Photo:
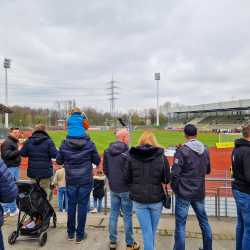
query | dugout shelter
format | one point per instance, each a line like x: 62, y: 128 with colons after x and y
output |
x: 4, y: 110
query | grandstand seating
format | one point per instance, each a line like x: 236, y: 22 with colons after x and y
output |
x: 208, y: 120
x: 197, y: 120
x: 179, y: 123
x: 214, y: 122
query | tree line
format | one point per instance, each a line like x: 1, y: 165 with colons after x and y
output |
x: 27, y: 116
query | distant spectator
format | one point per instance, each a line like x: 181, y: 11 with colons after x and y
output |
x: 8, y: 193
x: 98, y: 192
x: 11, y: 156
x: 40, y: 149
x: 59, y: 180
x: 77, y: 154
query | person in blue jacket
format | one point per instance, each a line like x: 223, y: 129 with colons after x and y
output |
x: 77, y: 154
x: 40, y: 149
x: 8, y: 193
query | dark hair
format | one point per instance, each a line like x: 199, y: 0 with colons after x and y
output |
x: 246, y: 131
x: 13, y: 128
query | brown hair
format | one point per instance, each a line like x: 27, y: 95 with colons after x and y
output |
x: 246, y: 131
x: 99, y: 172
x: 13, y: 128
x: 40, y: 127
x: 148, y: 138
x: 75, y: 110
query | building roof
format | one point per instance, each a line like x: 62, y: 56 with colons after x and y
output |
x: 4, y: 110
x: 211, y: 107
x: 61, y: 121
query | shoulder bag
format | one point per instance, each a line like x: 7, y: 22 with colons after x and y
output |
x: 167, y: 197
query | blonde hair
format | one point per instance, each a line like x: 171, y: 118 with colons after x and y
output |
x: 148, y: 138
x: 75, y: 110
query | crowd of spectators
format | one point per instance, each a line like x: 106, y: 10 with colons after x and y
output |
x: 137, y: 178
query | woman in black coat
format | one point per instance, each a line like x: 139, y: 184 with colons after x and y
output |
x: 98, y: 192
x: 146, y: 169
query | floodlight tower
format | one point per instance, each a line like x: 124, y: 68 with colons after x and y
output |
x: 6, y: 65
x: 157, y: 77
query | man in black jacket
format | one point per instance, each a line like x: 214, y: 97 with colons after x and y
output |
x: 11, y: 156
x: 113, y: 166
x: 40, y: 149
x: 241, y: 187
x: 191, y: 164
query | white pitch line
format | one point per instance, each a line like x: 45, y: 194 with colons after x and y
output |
x: 55, y: 137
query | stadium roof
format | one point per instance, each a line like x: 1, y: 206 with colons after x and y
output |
x: 4, y: 109
x: 212, y: 107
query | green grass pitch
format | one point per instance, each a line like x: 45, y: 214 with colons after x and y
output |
x: 102, y: 139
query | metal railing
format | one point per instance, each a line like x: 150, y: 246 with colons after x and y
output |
x: 217, y: 203
x: 219, y: 200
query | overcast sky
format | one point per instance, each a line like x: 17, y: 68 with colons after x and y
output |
x: 70, y: 49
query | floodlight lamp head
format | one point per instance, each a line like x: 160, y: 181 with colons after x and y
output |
x: 7, y: 63
x: 157, y: 76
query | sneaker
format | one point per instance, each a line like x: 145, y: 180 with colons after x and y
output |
x: 5, y: 213
x: 81, y: 239
x: 94, y: 210
x: 136, y: 246
x: 201, y: 248
x: 112, y: 246
x: 71, y: 237
x: 15, y: 213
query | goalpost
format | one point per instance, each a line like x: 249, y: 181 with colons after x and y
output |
x: 229, y: 137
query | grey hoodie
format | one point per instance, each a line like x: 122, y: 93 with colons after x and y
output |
x: 196, y: 146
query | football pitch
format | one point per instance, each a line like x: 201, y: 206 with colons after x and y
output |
x: 102, y: 139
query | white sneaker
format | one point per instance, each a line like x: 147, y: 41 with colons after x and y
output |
x: 15, y: 213
x: 5, y: 213
x: 94, y: 210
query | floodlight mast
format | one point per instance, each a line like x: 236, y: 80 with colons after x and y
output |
x: 157, y: 77
x: 6, y: 65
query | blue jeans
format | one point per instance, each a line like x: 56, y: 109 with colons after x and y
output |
x: 78, y: 195
x: 99, y: 204
x: 14, y: 171
x: 243, y: 220
x: 148, y: 216
x: 1, y: 240
x: 61, y: 192
x: 127, y: 205
x: 181, y: 213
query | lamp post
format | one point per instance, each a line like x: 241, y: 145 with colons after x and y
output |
x: 6, y: 65
x: 157, y: 77
x: 21, y: 123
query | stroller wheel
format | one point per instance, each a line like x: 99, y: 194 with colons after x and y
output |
x: 12, y: 237
x: 43, y: 238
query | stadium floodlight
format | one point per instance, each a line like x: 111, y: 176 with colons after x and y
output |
x: 157, y: 78
x: 6, y: 65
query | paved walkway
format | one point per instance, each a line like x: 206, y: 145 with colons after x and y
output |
x: 97, y: 228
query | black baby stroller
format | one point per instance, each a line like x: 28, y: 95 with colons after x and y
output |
x: 32, y: 200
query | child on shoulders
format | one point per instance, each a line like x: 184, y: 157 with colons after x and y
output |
x: 77, y: 123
